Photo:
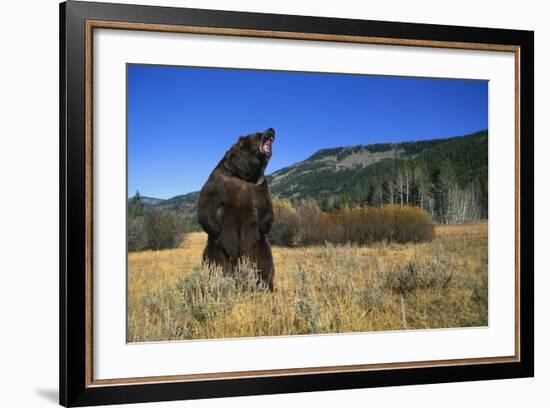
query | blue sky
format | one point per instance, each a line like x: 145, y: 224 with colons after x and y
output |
x: 182, y: 120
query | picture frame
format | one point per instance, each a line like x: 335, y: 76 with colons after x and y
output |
x: 78, y: 23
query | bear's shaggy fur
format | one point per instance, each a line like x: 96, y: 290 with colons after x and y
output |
x: 235, y: 207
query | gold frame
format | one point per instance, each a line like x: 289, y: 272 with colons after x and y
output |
x: 99, y: 24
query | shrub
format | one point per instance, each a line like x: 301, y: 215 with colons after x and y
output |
x: 414, y: 275
x: 246, y: 278
x: 285, y: 224
x: 309, y: 216
x: 409, y: 224
x: 306, y: 316
x: 137, y: 238
x: 164, y: 229
x: 207, y: 292
x: 372, y: 297
x: 364, y: 225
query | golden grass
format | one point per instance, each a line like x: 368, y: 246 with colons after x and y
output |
x: 320, y: 289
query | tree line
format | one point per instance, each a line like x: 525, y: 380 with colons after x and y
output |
x: 153, y: 228
x: 307, y: 224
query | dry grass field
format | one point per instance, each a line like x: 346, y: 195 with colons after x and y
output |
x: 319, y: 289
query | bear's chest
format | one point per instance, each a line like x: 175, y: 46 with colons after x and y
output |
x: 242, y: 195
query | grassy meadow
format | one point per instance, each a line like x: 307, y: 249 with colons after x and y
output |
x: 319, y: 289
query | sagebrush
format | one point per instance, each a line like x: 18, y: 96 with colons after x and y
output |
x: 319, y: 289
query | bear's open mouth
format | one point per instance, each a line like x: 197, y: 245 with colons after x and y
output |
x: 267, y: 141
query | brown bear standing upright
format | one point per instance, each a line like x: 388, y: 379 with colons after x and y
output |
x: 235, y: 207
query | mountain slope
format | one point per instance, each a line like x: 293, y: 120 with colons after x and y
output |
x: 356, y: 170
x: 185, y: 204
x: 149, y: 202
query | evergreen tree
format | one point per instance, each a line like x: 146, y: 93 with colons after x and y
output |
x: 135, y: 206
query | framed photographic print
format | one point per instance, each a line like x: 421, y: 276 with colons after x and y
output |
x: 256, y: 203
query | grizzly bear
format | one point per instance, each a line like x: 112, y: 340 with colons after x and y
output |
x: 235, y: 207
